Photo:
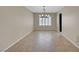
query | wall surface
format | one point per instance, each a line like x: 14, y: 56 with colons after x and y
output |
x: 52, y: 27
x: 71, y: 23
x: 15, y: 22
x: 58, y: 22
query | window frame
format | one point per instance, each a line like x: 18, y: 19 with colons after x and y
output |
x: 43, y: 21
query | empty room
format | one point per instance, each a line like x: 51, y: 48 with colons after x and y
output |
x: 39, y: 28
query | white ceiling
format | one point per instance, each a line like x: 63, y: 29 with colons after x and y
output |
x: 49, y: 9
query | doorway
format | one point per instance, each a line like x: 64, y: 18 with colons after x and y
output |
x: 45, y: 23
x: 60, y: 22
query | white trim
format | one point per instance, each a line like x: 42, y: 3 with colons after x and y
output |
x: 16, y: 41
x: 70, y: 40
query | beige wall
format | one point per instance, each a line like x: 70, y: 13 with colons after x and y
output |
x: 58, y: 21
x: 15, y: 22
x: 54, y: 22
x: 71, y: 23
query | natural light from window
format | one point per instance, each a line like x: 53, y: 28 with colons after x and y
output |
x: 45, y: 21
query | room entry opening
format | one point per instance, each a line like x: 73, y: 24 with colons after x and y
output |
x: 46, y: 21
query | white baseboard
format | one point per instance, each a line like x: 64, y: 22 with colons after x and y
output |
x: 70, y: 40
x: 16, y: 41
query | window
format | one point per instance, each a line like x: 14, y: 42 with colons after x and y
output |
x: 44, y: 20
